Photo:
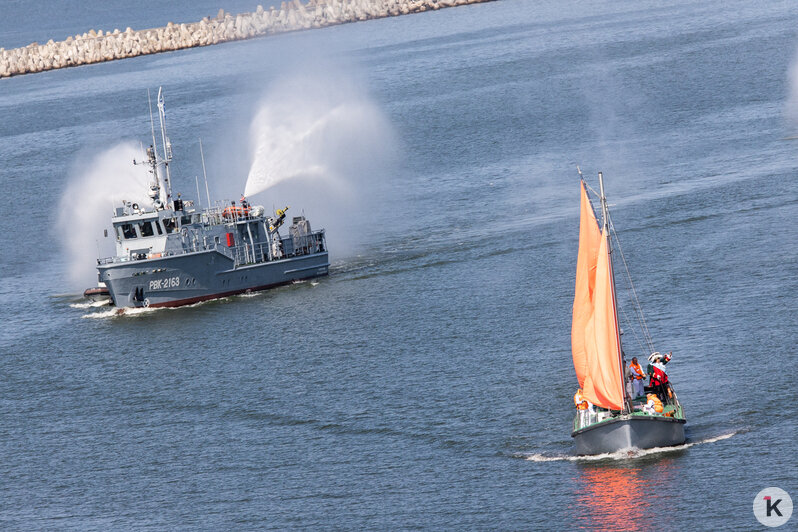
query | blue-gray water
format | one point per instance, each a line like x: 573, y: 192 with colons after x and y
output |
x: 427, y: 382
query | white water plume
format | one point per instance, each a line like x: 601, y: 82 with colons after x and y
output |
x: 96, y: 185
x: 321, y: 144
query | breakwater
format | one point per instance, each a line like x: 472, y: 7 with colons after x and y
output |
x: 96, y: 46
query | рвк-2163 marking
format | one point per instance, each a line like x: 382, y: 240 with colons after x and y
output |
x: 160, y: 284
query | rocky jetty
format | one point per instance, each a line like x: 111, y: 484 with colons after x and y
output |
x: 96, y: 46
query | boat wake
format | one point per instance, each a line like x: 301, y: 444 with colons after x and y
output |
x: 114, y: 312
x: 244, y: 295
x: 626, y: 454
x: 91, y: 304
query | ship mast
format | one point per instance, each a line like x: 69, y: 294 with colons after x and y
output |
x: 606, y: 230
x: 167, y: 150
x: 156, y: 188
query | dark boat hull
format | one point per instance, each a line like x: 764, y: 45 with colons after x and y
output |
x: 629, y: 432
x: 192, y: 277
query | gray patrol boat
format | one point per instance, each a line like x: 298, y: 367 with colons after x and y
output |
x: 171, y: 253
x: 615, y: 411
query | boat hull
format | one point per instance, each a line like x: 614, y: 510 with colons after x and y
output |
x: 97, y: 294
x: 192, y: 277
x: 629, y: 432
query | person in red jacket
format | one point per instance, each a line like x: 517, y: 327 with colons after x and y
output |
x: 659, y: 378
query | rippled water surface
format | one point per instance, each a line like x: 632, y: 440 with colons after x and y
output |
x: 427, y: 382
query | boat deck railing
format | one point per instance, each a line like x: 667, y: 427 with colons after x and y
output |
x: 672, y: 408
x: 242, y: 254
x: 289, y: 247
x: 585, y: 418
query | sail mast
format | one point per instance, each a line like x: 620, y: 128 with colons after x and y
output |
x: 606, y: 230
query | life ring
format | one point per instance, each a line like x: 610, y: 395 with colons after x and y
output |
x: 147, y: 302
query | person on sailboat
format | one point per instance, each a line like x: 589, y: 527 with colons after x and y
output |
x: 637, y: 378
x: 583, y: 407
x: 629, y: 378
x: 659, y: 378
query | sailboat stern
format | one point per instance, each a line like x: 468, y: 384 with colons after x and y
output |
x: 629, y: 432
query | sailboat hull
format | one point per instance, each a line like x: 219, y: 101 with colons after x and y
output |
x: 629, y: 432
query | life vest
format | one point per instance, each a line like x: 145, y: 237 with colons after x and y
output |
x: 637, y: 371
x: 658, y: 377
x: 579, y: 401
x: 654, y: 401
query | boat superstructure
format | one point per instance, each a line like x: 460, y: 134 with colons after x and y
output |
x: 609, y: 417
x: 174, y: 252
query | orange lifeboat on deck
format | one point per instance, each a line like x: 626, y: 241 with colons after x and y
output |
x: 234, y: 212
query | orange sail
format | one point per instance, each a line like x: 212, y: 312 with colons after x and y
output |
x: 589, y: 240
x: 595, y: 344
x: 603, y: 384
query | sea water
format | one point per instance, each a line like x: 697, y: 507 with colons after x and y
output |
x: 427, y: 382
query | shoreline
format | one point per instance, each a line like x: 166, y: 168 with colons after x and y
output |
x: 98, y: 47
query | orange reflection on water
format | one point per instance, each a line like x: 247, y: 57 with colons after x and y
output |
x: 623, y: 497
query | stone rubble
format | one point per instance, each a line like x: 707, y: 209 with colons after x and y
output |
x: 98, y: 46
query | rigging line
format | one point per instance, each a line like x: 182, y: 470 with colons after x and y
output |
x: 591, y: 189
x: 639, y: 312
x: 630, y: 324
x: 636, y: 302
x: 590, y: 202
x: 638, y: 308
x: 633, y: 329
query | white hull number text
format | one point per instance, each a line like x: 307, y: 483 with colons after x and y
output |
x: 161, y: 284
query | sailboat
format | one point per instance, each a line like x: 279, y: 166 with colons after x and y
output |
x: 610, y: 419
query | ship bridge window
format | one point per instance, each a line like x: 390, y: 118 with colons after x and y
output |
x: 145, y: 228
x: 128, y: 231
x: 170, y: 224
x: 157, y: 225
